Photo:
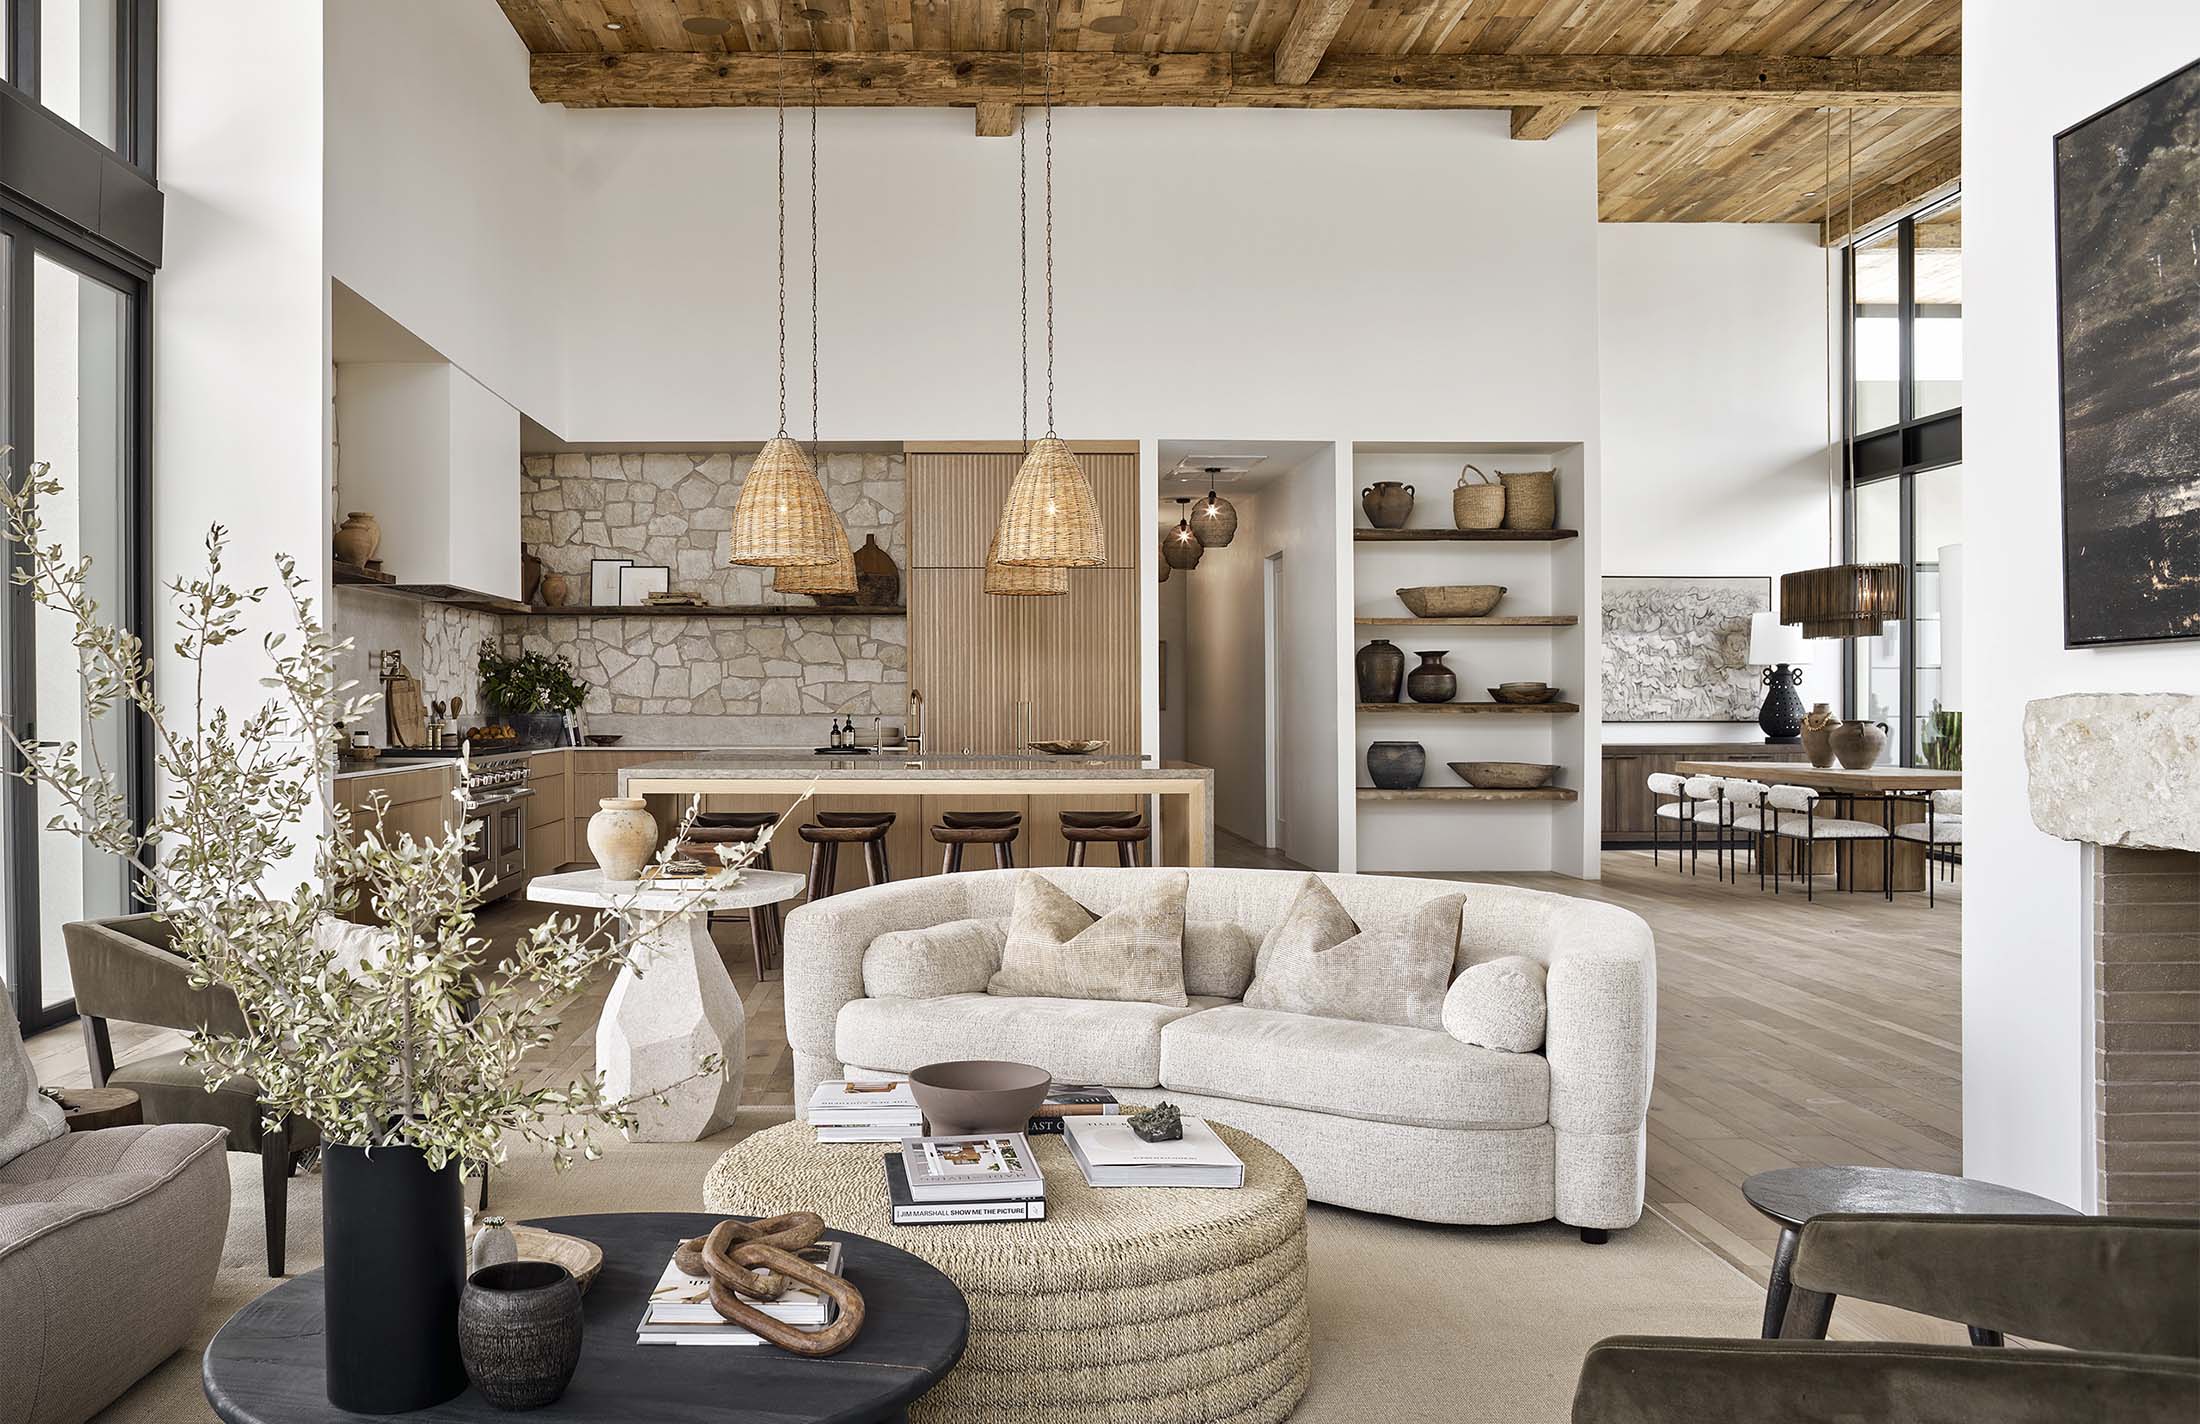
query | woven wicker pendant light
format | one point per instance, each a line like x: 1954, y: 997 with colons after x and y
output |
x: 1215, y: 521
x: 1051, y: 519
x: 1180, y: 547
x: 1021, y: 581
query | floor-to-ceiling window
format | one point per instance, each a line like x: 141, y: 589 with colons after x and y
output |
x: 1905, y: 412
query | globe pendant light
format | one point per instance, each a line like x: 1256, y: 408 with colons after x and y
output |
x: 1051, y: 519
x: 781, y: 518
x: 1180, y: 547
x: 1840, y: 600
x: 1216, y: 519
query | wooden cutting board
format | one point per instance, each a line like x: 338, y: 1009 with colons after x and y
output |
x: 407, y: 714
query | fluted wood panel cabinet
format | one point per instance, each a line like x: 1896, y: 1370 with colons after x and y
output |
x: 997, y: 672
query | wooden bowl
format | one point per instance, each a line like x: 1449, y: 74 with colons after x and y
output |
x: 1451, y: 600
x: 605, y: 739
x: 1525, y: 694
x: 978, y: 1095
x: 583, y: 1258
x: 1084, y: 747
x: 1504, y: 775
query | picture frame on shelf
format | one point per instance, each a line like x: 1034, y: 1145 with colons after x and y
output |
x: 638, y: 581
x: 603, y: 581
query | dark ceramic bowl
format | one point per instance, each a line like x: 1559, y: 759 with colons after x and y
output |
x: 605, y: 739
x: 978, y: 1095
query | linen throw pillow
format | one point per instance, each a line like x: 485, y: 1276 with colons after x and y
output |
x: 958, y: 957
x: 1319, y: 962
x: 27, y: 1117
x: 1058, y: 949
x: 1498, y: 1004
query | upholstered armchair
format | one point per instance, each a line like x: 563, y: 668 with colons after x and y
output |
x: 2122, y: 1296
x: 124, y: 969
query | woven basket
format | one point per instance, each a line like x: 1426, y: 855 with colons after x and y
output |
x: 1477, y: 506
x: 781, y: 517
x: 1021, y: 582
x: 1051, y: 519
x: 837, y: 577
x: 1531, y: 498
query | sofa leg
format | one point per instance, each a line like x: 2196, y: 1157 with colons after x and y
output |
x: 274, y: 1194
x: 1594, y: 1235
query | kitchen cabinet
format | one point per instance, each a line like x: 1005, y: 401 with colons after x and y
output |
x: 434, y: 455
x: 1627, y: 771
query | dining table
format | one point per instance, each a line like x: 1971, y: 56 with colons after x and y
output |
x: 1889, y: 795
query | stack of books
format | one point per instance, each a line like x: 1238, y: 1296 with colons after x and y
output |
x: 865, y: 1112
x: 1111, y: 1155
x: 1071, y: 1100
x: 988, y: 1177
x: 680, y: 1313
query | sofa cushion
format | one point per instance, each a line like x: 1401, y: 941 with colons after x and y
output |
x: 1077, y: 1040
x: 1058, y: 949
x: 171, y: 1088
x: 86, y: 1173
x: 959, y: 957
x: 1320, y: 961
x: 1498, y: 1004
x: 27, y: 1117
x: 1218, y: 957
x: 1376, y: 1072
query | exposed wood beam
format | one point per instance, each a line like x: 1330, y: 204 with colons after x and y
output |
x: 1543, y: 120
x: 1874, y: 204
x: 1306, y: 39
x: 996, y: 120
x: 1101, y: 78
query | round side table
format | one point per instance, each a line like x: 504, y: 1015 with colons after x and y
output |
x: 89, y: 1109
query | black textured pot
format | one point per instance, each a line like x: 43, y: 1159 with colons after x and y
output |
x: 519, y: 1327
x: 1432, y: 681
x: 1782, y: 715
x: 393, y: 1235
x: 1380, y: 668
x: 1396, y: 766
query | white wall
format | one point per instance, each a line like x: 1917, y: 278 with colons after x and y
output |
x: 1303, y: 514
x: 1711, y: 337
x: 2027, y: 993
x: 1224, y: 685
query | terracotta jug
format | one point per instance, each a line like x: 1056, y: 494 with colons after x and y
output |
x: 358, y: 538
x: 1388, y: 504
x: 622, y: 835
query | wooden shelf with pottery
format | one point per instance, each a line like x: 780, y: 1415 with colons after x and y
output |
x: 1485, y: 536
x: 341, y: 572
x: 1497, y: 709
x: 1470, y: 793
x: 715, y: 610
x: 1525, y: 620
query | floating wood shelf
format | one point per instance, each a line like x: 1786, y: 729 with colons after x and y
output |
x: 1494, y: 709
x: 456, y: 597
x: 341, y: 572
x: 1471, y: 793
x: 1484, y: 536
x: 717, y: 610
x: 1525, y: 620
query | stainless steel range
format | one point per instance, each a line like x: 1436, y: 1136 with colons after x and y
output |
x: 494, y: 790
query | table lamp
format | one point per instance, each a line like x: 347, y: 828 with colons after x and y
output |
x: 1779, y: 650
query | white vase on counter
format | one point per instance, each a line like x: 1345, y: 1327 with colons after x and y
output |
x: 623, y: 836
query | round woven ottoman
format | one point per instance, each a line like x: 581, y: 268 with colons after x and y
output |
x: 1127, y: 1305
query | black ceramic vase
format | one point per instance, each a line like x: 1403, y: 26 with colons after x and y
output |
x: 393, y: 1235
x: 1379, y: 668
x: 1432, y: 681
x: 1782, y: 715
x: 519, y: 1327
x: 1396, y: 766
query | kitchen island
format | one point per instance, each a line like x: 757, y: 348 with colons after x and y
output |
x: 918, y: 787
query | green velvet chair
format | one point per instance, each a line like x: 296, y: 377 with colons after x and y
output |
x: 2120, y: 1295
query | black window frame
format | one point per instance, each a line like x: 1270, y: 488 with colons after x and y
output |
x: 136, y: 116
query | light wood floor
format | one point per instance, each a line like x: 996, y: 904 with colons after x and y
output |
x: 1788, y: 1033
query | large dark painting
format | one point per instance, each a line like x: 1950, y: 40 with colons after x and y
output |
x: 2127, y: 237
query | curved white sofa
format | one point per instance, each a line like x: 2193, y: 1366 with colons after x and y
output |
x: 1403, y: 1121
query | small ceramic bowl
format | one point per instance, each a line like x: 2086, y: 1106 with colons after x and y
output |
x: 978, y: 1095
x: 1081, y: 747
x: 1522, y: 694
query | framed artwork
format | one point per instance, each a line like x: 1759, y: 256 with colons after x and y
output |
x: 638, y: 581
x: 1677, y: 649
x: 603, y: 581
x: 2127, y: 204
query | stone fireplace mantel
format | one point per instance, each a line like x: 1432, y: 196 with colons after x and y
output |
x: 2116, y: 769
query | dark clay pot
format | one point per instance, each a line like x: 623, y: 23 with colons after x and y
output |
x: 1857, y: 745
x: 1432, y: 681
x: 1380, y: 667
x: 1387, y: 503
x: 1396, y: 766
x: 519, y: 1327
x: 393, y: 1239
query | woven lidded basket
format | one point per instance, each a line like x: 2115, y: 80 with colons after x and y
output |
x: 1531, y: 498
x: 1480, y: 505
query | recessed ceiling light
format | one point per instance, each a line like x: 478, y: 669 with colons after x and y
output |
x: 710, y: 26
x: 1113, y: 25
x: 614, y: 25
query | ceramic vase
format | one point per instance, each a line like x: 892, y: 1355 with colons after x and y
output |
x: 1387, y: 504
x: 1379, y: 668
x: 519, y: 1331
x: 1781, y: 716
x: 1396, y: 766
x: 555, y: 590
x: 622, y: 835
x: 493, y: 1244
x: 878, y: 580
x: 393, y: 1239
x: 357, y: 538
x: 1857, y: 745
x: 1432, y: 681
x: 1817, y: 735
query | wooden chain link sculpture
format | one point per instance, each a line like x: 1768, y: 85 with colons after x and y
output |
x: 732, y: 1254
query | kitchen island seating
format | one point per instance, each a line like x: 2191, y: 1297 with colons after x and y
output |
x: 997, y: 829
x: 834, y: 829
x: 1409, y: 1122
x: 711, y: 828
x: 1126, y: 830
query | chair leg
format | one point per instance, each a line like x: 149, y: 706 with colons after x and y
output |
x: 481, y: 1200
x: 1076, y: 853
x: 1810, y: 868
x: 952, y: 860
x: 874, y: 862
x: 1126, y: 853
x: 1004, y: 855
x: 99, y: 1049
x: 821, y: 870
x: 274, y: 1194
x: 764, y: 926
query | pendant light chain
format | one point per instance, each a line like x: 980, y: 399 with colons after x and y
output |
x: 779, y: 111
x: 1048, y: 40
x: 1825, y: 349
x: 816, y: 447
x: 1023, y: 234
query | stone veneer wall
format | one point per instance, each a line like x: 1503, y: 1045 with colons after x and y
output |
x: 440, y: 645
x: 676, y: 510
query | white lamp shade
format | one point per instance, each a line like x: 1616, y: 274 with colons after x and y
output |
x: 1772, y: 642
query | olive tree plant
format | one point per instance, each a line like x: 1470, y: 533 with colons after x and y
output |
x: 418, y: 1041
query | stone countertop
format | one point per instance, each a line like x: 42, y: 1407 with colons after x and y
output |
x: 399, y: 761
x: 782, y: 766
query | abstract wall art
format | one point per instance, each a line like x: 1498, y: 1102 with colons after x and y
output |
x: 1677, y: 649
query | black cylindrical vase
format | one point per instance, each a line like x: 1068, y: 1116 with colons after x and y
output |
x: 393, y: 1235
x: 1782, y: 715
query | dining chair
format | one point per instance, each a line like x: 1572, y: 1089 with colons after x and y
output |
x: 1941, y: 834
x: 1792, y: 812
x: 1678, y: 810
x: 1745, y: 815
x: 1708, y: 794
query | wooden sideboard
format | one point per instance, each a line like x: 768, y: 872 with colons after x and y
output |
x: 1627, y: 771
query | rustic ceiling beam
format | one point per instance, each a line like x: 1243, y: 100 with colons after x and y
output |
x: 664, y: 79
x: 1306, y: 39
x: 1875, y: 203
x: 996, y: 120
x: 1541, y: 121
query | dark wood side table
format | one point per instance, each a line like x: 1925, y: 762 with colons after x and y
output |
x: 266, y: 1365
x: 88, y: 1109
x: 1793, y: 1195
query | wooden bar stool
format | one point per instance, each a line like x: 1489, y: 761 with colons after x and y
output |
x: 714, y: 828
x: 834, y: 829
x: 1126, y: 830
x: 997, y: 829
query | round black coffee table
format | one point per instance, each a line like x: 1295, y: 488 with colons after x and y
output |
x: 1793, y: 1195
x: 265, y: 1365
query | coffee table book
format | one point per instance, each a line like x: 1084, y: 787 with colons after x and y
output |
x: 986, y: 1166
x: 908, y: 1212
x: 865, y: 1112
x: 1070, y: 1100
x: 1111, y: 1155
x: 680, y: 1313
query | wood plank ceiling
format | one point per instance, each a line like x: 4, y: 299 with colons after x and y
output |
x: 1727, y: 157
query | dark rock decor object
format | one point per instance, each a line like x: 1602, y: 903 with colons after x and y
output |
x: 519, y: 1329
x: 1380, y: 669
x: 1432, y: 681
x: 393, y: 1238
x: 1396, y: 766
x: 1387, y: 504
x: 1159, y: 1123
x: 978, y: 1095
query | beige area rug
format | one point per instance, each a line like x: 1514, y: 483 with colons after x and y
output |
x: 1412, y: 1323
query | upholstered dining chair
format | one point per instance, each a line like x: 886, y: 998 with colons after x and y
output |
x: 124, y: 968
x: 1792, y: 812
x: 1707, y: 810
x: 1941, y: 833
x: 1669, y: 802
